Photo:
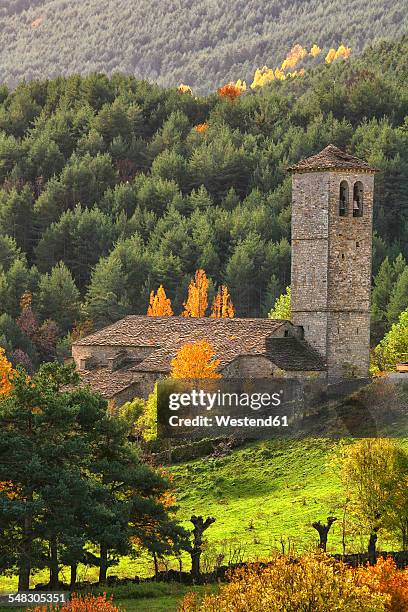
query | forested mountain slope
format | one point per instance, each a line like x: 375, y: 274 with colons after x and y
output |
x: 111, y: 187
x: 201, y: 43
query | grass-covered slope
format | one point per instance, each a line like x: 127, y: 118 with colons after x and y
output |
x: 261, y: 493
x: 204, y: 44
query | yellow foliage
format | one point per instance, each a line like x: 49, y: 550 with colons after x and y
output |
x: 184, y: 89
x: 279, y: 75
x: 331, y: 56
x: 197, y: 300
x: 26, y: 300
x: 262, y: 76
x: 241, y: 85
x: 312, y: 582
x: 160, y: 304
x: 6, y: 374
x: 10, y: 489
x: 222, y: 307
x: 315, y: 50
x: 201, y: 127
x: 342, y: 52
x: 294, y: 56
x: 195, y: 360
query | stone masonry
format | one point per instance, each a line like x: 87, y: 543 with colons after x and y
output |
x: 331, y: 258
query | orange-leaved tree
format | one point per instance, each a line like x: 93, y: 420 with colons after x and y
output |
x: 384, y: 577
x: 232, y: 91
x: 6, y: 374
x: 195, y: 360
x: 197, y: 300
x: 222, y: 307
x: 160, y: 304
x: 201, y: 127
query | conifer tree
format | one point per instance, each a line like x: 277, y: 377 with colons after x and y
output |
x: 59, y: 297
x: 399, y: 298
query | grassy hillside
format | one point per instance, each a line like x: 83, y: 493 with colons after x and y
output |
x: 262, y: 495
x: 204, y: 44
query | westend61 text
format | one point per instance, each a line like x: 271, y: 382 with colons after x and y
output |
x: 228, y: 421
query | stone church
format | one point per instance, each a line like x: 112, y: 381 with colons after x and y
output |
x: 329, y: 335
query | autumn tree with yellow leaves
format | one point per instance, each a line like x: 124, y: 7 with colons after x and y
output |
x: 195, y: 360
x: 342, y: 52
x: 288, y: 68
x: 184, y: 89
x: 6, y: 374
x: 197, y: 300
x: 160, y: 304
x: 222, y: 307
x: 315, y: 50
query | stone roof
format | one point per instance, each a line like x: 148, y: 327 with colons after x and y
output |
x: 107, y: 383
x: 293, y: 354
x: 230, y: 339
x: 331, y: 158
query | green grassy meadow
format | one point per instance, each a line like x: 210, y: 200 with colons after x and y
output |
x: 263, y: 495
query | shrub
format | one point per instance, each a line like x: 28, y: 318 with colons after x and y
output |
x: 313, y: 582
x: 385, y: 578
x: 86, y: 603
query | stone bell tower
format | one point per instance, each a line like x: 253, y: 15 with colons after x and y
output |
x: 332, y: 213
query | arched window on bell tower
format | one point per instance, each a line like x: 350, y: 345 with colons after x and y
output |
x: 358, y: 191
x: 343, y: 198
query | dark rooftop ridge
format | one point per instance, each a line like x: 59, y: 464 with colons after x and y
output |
x: 331, y: 158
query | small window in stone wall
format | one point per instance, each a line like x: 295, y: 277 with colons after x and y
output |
x: 344, y: 199
x: 358, y: 191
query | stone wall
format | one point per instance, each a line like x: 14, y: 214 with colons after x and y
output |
x: 249, y: 366
x: 101, y: 354
x: 331, y: 269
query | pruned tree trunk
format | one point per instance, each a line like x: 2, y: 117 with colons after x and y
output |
x: 323, y: 531
x: 73, y: 577
x: 54, y: 569
x: 103, y: 568
x: 200, y: 525
x: 372, y: 547
x: 156, y: 566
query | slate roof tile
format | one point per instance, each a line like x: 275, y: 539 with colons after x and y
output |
x: 331, y: 158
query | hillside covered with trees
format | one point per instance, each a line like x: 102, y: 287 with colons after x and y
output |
x: 203, y: 44
x: 111, y: 187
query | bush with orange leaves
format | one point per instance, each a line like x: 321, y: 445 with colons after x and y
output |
x: 6, y: 374
x: 386, y: 578
x: 201, y: 127
x: 232, y: 91
x: 85, y: 603
x: 312, y: 582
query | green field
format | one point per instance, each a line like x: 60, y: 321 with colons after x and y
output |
x: 148, y: 597
x: 263, y: 495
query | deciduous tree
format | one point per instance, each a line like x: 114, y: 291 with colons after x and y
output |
x: 222, y: 307
x: 197, y: 300
x: 195, y: 360
x: 160, y: 304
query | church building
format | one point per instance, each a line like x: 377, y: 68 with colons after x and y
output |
x: 329, y: 335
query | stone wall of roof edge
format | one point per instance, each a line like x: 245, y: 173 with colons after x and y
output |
x: 304, y: 170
